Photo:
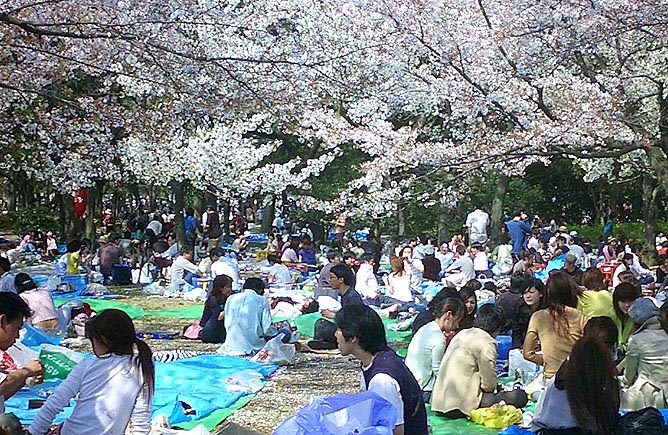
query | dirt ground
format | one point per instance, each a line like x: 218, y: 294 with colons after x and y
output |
x: 289, y: 389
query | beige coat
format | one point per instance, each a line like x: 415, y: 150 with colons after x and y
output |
x: 468, y: 368
x: 647, y: 368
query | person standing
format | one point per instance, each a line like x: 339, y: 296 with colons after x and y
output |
x: 519, y: 231
x: 212, y: 228
x: 477, y: 222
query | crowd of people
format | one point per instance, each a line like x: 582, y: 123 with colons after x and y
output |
x: 563, y: 302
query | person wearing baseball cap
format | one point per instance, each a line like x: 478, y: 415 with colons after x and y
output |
x: 571, y: 269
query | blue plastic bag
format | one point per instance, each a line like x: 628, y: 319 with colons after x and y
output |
x: 365, y: 413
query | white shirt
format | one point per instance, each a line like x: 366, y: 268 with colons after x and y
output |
x: 480, y: 262
x: 171, y: 252
x: 280, y: 272
x: 400, y: 286
x: 425, y: 353
x: 615, y: 276
x: 110, y: 394
x: 533, y: 243
x: 477, y: 222
x: 289, y: 256
x: 156, y: 226
x: 387, y: 388
x: 180, y: 266
x: 224, y: 267
x: 247, y: 321
x: 366, y: 283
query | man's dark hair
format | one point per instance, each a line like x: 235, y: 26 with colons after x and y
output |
x: 519, y: 282
x: 13, y: 306
x: 343, y: 272
x: 186, y: 249
x: 217, y: 252
x: 461, y: 249
x: 360, y: 321
x: 190, y: 211
x: 454, y: 305
x: 446, y: 293
x: 332, y: 255
x: 366, y: 257
x: 74, y: 246
x: 255, y: 284
x: 490, y: 319
x: 347, y: 255
x: 272, y: 258
x: 5, y: 265
x: 603, y: 328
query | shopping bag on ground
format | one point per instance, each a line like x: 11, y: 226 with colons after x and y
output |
x: 365, y: 413
x: 58, y: 361
x: 276, y: 352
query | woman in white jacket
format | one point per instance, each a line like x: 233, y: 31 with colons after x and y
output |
x: 114, y: 389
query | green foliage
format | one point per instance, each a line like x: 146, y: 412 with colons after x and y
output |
x: 38, y: 219
x: 632, y: 230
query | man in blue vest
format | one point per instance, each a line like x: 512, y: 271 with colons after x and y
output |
x: 361, y: 333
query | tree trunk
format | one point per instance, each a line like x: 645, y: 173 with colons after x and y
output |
x: 178, y: 190
x: 650, y: 193
x: 442, y: 222
x: 496, y: 218
x: 226, y: 219
x: 268, y: 213
x: 377, y: 229
x: 401, y: 220
x: 71, y: 225
x: 151, y: 198
x: 91, y: 210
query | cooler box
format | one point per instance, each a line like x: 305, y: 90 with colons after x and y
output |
x: 121, y: 274
x: 78, y: 282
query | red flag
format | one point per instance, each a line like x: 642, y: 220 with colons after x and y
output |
x: 80, y: 202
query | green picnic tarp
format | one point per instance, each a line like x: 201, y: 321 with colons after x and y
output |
x: 306, y: 322
x: 102, y: 304
x: 441, y: 425
x: 189, y: 312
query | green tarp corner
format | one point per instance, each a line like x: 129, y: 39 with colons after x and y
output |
x: 102, y: 304
x: 446, y: 426
x: 189, y: 312
x: 306, y: 322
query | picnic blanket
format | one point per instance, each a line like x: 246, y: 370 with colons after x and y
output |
x: 441, y: 425
x: 189, y: 312
x: 213, y: 385
x: 306, y: 322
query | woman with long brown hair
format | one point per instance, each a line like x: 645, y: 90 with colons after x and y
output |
x: 558, y: 326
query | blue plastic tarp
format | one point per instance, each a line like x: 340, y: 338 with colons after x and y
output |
x: 200, y: 382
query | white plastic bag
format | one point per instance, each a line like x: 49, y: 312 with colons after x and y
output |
x: 276, y: 352
x: 195, y: 294
x: 516, y: 361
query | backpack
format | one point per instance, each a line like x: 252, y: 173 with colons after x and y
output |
x: 646, y: 421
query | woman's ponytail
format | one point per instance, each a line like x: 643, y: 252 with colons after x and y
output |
x: 146, y: 365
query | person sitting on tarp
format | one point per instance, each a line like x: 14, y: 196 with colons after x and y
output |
x: 360, y: 332
x: 44, y: 315
x: 68, y: 263
x: 109, y: 254
x: 183, y: 268
x: 213, y: 317
x: 467, y: 374
x: 247, y: 320
x: 13, y: 310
